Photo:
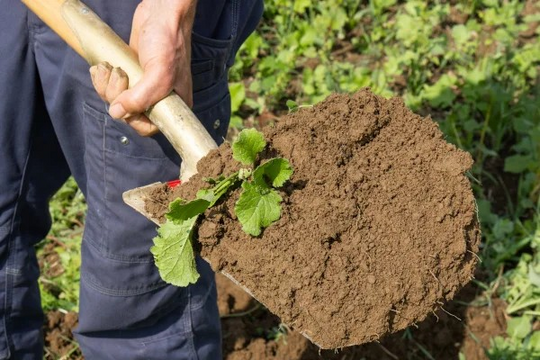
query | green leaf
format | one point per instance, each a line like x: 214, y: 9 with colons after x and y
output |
x: 236, y: 122
x: 207, y: 195
x: 519, y: 327
x: 238, y: 95
x: 534, y: 341
x: 173, y: 252
x: 534, y: 277
x: 257, y: 207
x: 440, y: 94
x: 274, y: 172
x: 292, y: 105
x: 502, y: 228
x: 214, y: 194
x: 461, y: 34
x: 301, y: 5
x: 517, y: 163
x: 484, y: 212
x: 381, y: 5
x: 179, y: 210
x: 213, y: 181
x: 249, y: 143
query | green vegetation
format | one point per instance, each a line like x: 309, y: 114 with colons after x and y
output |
x: 256, y: 208
x: 258, y: 205
x: 59, y: 257
x: 173, y: 250
x: 60, y: 252
x: 471, y: 65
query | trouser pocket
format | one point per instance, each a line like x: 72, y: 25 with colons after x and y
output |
x: 118, y: 269
x: 120, y: 285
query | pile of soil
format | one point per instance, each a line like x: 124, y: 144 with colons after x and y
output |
x: 378, y: 222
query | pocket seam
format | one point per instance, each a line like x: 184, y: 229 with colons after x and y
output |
x: 109, y: 151
x: 120, y: 258
x: 91, y: 111
x: 203, y: 40
x: 129, y: 291
x: 201, y: 66
x: 112, y: 129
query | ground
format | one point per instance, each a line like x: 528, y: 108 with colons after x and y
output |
x: 250, y: 332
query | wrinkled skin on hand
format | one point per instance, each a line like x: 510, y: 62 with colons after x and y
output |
x: 161, y: 36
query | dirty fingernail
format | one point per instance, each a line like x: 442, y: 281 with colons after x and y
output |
x: 117, y: 111
x: 114, y: 76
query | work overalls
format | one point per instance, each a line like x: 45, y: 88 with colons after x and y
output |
x: 53, y: 125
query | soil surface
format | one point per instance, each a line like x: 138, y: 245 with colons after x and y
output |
x: 59, y: 341
x: 378, y: 222
x: 250, y: 332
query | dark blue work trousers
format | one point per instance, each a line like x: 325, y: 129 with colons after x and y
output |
x: 53, y: 125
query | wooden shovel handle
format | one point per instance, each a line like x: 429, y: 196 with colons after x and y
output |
x: 95, y: 41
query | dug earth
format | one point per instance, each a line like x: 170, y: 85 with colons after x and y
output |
x: 378, y: 224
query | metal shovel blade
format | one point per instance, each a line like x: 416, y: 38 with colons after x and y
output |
x: 137, y: 198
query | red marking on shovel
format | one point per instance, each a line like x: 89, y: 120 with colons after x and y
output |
x: 173, y: 183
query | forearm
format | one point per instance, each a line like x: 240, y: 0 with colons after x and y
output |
x: 166, y: 25
x: 178, y: 14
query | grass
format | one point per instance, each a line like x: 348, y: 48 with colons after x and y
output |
x: 472, y: 65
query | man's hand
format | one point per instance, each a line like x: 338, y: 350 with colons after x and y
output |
x: 161, y: 35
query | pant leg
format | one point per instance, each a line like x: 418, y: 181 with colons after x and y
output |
x: 32, y: 168
x: 126, y: 311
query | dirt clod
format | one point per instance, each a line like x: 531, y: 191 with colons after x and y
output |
x: 378, y: 222
x: 58, y: 335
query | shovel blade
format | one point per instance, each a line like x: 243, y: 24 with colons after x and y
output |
x: 136, y: 198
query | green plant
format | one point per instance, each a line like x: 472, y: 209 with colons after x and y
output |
x: 257, y: 207
x: 61, y: 251
x: 521, y: 342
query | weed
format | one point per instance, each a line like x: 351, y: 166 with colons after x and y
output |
x: 258, y: 206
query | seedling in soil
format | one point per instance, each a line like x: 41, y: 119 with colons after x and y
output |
x: 257, y: 207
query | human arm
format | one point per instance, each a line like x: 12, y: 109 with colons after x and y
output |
x: 161, y: 35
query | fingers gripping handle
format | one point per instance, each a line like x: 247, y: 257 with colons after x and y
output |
x: 95, y: 41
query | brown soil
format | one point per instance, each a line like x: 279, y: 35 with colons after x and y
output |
x: 378, y: 224
x: 59, y: 337
x: 49, y: 263
x: 531, y: 8
x: 250, y: 332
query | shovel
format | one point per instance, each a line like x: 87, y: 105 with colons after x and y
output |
x: 96, y: 42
